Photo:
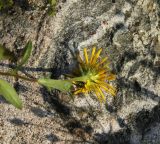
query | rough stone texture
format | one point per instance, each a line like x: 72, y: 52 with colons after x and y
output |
x: 129, y: 33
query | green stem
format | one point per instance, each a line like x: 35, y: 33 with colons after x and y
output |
x: 82, y: 78
x: 18, y: 76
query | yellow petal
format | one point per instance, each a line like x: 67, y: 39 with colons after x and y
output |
x: 107, y: 65
x: 96, y: 56
x: 77, y: 92
x: 101, y: 78
x: 88, y: 84
x: 79, y: 59
x: 86, y: 55
x: 102, y: 61
x: 98, y: 95
x: 101, y: 72
x: 92, y: 55
x: 81, y: 90
x: 106, y: 85
x: 101, y: 93
x: 111, y: 77
x: 109, y: 89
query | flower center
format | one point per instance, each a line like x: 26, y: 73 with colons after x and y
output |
x: 92, y: 76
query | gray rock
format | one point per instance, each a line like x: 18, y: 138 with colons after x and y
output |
x: 127, y: 30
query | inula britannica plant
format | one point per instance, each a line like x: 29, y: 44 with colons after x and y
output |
x: 91, y: 76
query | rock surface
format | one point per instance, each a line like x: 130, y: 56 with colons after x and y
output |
x: 129, y: 33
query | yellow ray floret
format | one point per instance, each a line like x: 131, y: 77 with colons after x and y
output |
x: 95, y: 77
x: 92, y: 55
x: 96, y: 57
x: 86, y: 55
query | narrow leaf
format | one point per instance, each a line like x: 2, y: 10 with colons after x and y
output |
x: 5, y: 54
x: 52, y: 9
x: 9, y: 93
x: 26, y: 54
x: 62, y: 85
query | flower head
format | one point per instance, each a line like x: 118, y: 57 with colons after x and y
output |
x: 93, y: 75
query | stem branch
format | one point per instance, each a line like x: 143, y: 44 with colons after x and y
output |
x: 18, y: 76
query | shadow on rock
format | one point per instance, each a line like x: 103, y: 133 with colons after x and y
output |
x: 17, y: 122
x: 143, y: 120
x: 120, y: 137
x: 53, y: 99
x: 139, y: 123
x: 51, y: 137
x: 39, y: 112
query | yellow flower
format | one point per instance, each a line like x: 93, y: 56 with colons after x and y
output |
x: 93, y: 75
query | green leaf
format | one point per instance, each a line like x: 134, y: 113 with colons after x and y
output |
x: 5, y: 4
x: 25, y: 55
x: 52, y: 9
x: 62, y: 85
x: 9, y: 93
x: 5, y: 54
x: 52, y: 2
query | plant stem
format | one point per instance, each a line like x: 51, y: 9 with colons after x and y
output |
x: 18, y: 76
x: 82, y: 78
